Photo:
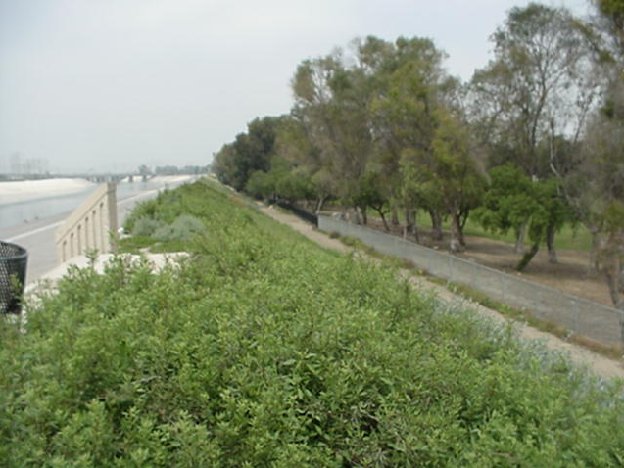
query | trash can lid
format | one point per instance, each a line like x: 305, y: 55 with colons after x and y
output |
x: 14, y: 251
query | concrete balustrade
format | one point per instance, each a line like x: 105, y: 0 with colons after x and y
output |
x: 92, y: 226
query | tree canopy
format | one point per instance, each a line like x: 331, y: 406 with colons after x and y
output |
x: 528, y: 144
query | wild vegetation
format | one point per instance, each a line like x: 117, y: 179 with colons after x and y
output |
x: 262, y: 349
x: 531, y: 144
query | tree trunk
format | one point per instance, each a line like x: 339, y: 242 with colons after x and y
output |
x: 362, y: 212
x: 456, y: 245
x: 594, y: 249
x: 460, y: 236
x: 395, y: 216
x: 463, y: 217
x: 383, y: 219
x: 320, y: 203
x: 612, y: 273
x: 520, y: 236
x: 611, y: 266
x: 410, y: 225
x: 527, y: 257
x: 436, y: 225
x: 550, y: 242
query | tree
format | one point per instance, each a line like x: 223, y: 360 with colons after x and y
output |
x: 595, y: 184
x: 507, y: 203
x: 549, y: 212
x: 514, y: 200
x: 261, y: 185
x: 225, y: 167
x: 370, y: 194
x: 250, y: 152
x: 455, y: 173
x: 612, y: 15
x: 295, y: 146
x: 371, y: 115
x: 331, y: 101
x: 281, y: 182
x: 541, y: 85
x: 597, y: 190
x: 403, y: 111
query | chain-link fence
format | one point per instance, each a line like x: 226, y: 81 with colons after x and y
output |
x: 12, y: 275
x: 595, y: 321
x: 303, y: 214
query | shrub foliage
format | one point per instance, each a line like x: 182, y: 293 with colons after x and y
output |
x: 262, y: 349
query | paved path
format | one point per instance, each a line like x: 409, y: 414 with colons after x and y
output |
x: 597, y: 363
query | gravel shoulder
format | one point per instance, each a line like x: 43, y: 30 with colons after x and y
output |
x: 600, y: 365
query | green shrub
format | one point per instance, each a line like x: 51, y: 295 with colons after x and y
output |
x: 146, y: 226
x: 183, y: 228
x: 261, y: 349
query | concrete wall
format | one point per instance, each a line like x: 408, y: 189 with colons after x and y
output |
x: 595, y: 321
x: 92, y: 226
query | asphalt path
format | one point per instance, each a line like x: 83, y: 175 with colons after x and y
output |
x: 38, y: 238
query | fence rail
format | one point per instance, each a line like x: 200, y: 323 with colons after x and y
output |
x: 91, y: 226
x: 583, y: 317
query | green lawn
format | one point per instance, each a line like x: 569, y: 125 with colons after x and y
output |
x: 570, y: 237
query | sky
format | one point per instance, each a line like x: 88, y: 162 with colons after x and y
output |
x: 108, y: 85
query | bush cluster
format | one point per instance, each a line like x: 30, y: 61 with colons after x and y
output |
x: 262, y: 349
x: 164, y: 224
x: 183, y: 228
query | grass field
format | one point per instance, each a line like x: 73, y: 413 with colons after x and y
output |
x: 570, y: 237
x: 262, y: 349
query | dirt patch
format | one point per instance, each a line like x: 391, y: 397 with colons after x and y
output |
x: 571, y: 274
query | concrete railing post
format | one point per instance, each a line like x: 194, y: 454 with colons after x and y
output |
x: 92, y: 226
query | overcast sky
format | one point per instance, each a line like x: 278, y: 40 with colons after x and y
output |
x: 94, y: 85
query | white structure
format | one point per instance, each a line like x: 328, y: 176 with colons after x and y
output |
x: 92, y: 226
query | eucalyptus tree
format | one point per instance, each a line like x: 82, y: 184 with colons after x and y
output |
x: 303, y: 157
x: 332, y: 101
x: 225, y: 165
x: 455, y: 172
x: 611, y: 19
x: 404, y: 118
x: 539, y: 83
x: 596, y: 187
x: 540, y: 86
x: 249, y: 152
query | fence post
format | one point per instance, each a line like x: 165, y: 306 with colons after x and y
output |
x: 429, y: 264
x: 576, y: 317
x: 474, y: 275
x: 450, y: 269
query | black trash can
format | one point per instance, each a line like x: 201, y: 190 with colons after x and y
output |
x: 12, y: 277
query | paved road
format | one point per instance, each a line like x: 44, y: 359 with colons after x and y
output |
x: 38, y: 238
